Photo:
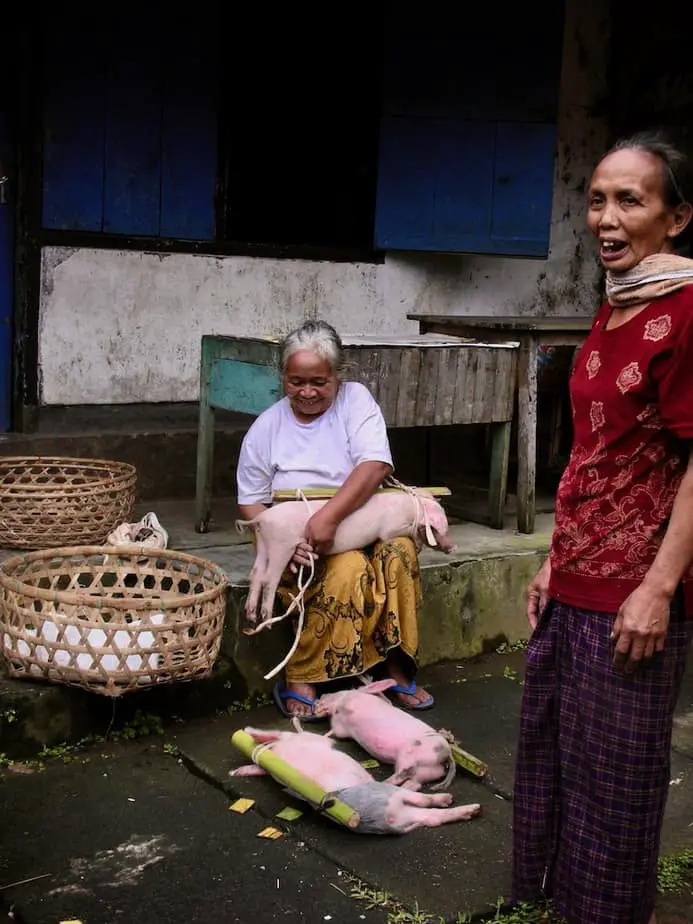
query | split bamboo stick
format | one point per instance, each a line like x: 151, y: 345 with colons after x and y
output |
x: 285, y: 774
x: 468, y: 761
x: 325, y: 493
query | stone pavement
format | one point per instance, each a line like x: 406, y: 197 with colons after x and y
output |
x: 142, y: 832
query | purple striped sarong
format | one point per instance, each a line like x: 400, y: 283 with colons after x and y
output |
x: 592, y: 772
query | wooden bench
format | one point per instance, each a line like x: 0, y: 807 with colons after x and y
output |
x: 531, y: 333
x: 424, y: 380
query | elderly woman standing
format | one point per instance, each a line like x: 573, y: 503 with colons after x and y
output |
x: 361, y: 610
x: 611, y: 609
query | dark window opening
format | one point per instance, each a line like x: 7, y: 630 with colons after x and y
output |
x: 300, y: 126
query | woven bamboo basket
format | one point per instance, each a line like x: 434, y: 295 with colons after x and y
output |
x: 111, y: 619
x: 53, y: 502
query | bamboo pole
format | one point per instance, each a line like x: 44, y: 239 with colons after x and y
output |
x: 284, y: 773
x: 325, y: 493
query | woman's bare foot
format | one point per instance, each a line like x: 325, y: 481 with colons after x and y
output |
x: 294, y: 706
x: 412, y: 700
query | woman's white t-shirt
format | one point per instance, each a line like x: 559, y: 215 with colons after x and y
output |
x: 279, y: 453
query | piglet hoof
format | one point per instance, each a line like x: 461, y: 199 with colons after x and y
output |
x: 445, y: 798
x: 473, y: 810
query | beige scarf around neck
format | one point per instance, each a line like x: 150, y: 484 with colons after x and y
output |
x: 653, y: 277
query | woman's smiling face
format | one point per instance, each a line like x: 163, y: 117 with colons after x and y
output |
x: 627, y: 211
x: 310, y: 384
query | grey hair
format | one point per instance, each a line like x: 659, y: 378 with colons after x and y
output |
x: 675, y: 179
x: 318, y: 337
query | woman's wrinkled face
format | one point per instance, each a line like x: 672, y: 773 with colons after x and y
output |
x: 310, y: 384
x: 627, y: 212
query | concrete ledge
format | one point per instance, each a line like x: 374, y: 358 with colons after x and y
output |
x: 472, y: 601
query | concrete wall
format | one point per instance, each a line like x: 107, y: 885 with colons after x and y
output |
x: 122, y: 327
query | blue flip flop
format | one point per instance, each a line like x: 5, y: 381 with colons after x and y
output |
x: 410, y: 690
x: 281, y: 694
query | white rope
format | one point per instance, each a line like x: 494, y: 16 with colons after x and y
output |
x: 260, y: 749
x: 296, y: 600
x: 420, y: 512
x: 296, y: 603
x: 420, y: 516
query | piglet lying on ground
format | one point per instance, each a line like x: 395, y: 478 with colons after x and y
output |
x: 384, y: 809
x: 420, y: 754
x: 279, y: 529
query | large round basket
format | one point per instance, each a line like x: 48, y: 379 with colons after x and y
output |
x: 111, y: 619
x: 51, y: 502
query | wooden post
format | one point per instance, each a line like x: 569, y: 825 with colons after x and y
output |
x: 527, y: 434
x: 205, y: 440
x: 498, y: 480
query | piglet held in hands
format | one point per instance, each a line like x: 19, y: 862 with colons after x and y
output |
x: 279, y: 529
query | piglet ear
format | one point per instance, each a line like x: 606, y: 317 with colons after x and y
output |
x: 379, y: 686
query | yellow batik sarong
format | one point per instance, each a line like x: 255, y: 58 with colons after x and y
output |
x: 359, y: 606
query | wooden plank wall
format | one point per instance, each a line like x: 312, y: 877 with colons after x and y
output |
x: 436, y: 386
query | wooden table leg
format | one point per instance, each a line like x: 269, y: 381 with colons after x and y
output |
x: 498, y: 480
x: 205, y: 444
x: 527, y: 434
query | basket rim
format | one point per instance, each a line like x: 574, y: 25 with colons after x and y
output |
x: 120, y: 470
x: 136, y: 603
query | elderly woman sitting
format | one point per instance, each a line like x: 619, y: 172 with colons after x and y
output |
x: 361, y: 609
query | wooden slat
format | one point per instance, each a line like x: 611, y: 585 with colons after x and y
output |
x: 480, y: 384
x: 505, y: 385
x: 447, y: 386
x: 491, y: 386
x: 242, y: 349
x: 389, y: 385
x: 363, y: 366
x: 465, y: 389
x: 480, y: 326
x: 428, y: 388
x: 457, y: 410
x: 245, y: 388
x: 409, y: 383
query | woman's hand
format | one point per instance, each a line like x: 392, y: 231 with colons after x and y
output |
x: 641, y: 626
x: 320, y: 530
x: 538, y: 593
x: 302, y: 557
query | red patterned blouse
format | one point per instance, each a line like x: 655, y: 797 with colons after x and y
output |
x: 632, y: 398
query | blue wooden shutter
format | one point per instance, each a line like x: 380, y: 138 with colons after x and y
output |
x: 73, y: 124
x: 189, y: 125
x: 468, y: 132
x: 132, y: 168
x: 130, y: 129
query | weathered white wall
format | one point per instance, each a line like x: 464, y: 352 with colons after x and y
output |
x: 122, y: 327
